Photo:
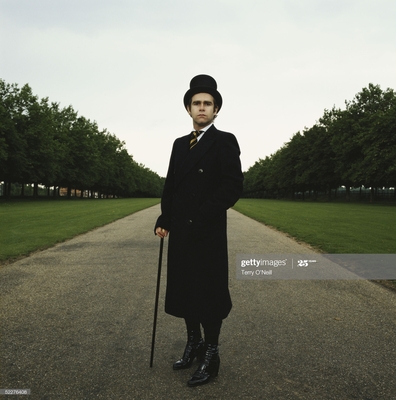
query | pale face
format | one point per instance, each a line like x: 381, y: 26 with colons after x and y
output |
x: 202, y: 110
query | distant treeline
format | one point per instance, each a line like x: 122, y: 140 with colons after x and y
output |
x: 44, y: 145
x: 350, y: 148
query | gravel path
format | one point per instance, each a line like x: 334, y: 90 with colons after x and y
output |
x: 76, y: 323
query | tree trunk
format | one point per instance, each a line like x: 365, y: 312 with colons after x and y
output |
x: 35, y: 190
x: 372, y: 194
x: 5, y: 189
x: 347, y: 193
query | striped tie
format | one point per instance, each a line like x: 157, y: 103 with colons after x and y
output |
x: 194, y: 139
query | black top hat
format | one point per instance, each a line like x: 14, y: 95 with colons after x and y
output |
x: 203, y: 84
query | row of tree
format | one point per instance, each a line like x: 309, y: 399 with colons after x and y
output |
x: 353, y: 147
x: 44, y: 144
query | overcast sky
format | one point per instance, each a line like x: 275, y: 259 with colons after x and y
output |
x: 127, y: 63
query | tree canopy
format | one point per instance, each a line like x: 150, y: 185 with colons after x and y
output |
x: 44, y: 144
x: 353, y: 147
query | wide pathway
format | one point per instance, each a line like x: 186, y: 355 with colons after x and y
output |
x: 76, y: 323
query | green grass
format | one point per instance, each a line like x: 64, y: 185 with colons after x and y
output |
x: 342, y: 228
x: 27, y: 226
x: 330, y: 227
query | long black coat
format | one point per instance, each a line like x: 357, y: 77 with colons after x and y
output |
x: 200, y: 186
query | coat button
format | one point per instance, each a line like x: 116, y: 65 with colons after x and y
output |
x: 200, y: 171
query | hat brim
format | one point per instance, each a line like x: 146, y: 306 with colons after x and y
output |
x: 193, y: 91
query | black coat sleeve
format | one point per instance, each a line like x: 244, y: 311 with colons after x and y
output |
x: 164, y: 220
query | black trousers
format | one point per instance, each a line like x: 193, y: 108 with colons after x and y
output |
x: 211, y: 330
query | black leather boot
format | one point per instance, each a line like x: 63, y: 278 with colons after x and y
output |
x: 193, y: 349
x: 209, y: 367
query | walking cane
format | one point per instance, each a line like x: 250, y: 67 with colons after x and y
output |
x: 156, y: 301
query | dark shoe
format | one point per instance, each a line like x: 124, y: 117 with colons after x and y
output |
x: 209, y: 367
x: 193, y: 349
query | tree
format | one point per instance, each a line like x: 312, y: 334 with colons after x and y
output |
x: 375, y: 112
x: 13, y: 110
x: 318, y: 170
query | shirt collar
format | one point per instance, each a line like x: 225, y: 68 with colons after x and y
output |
x: 203, y: 130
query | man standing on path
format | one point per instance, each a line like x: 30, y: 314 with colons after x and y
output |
x: 204, y: 179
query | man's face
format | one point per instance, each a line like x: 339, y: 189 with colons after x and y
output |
x: 202, y: 110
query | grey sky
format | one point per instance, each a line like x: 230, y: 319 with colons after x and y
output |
x: 127, y: 63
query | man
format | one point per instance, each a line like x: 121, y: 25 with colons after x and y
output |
x: 204, y: 179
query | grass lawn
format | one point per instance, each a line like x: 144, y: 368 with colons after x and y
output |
x: 342, y: 228
x: 27, y: 226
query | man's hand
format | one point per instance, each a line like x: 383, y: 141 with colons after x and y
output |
x: 161, y: 232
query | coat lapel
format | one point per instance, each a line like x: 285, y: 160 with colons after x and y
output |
x: 195, y: 154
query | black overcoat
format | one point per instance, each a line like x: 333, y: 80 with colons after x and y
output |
x: 201, y: 184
